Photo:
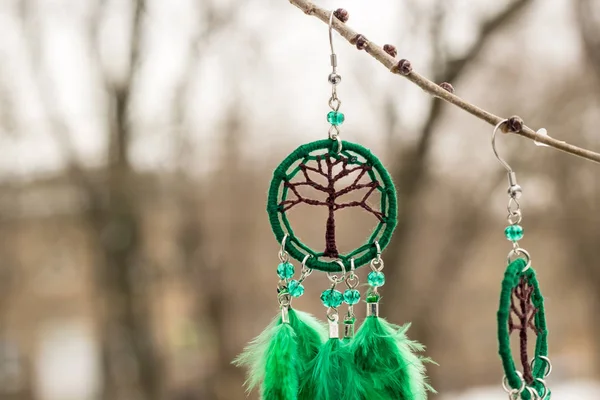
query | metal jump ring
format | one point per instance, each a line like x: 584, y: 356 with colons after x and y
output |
x: 543, y: 383
x: 333, y: 132
x: 305, y: 271
x: 352, y: 282
x: 334, y: 102
x: 333, y: 315
x: 518, y: 252
x: 533, y: 393
x: 548, y: 369
x: 337, y: 279
x: 351, y: 278
x: 509, y: 390
x: 283, y: 255
x: 513, y: 204
x: 378, y: 247
x: 377, y: 264
x: 515, y: 217
x: 304, y: 260
x: 339, y: 142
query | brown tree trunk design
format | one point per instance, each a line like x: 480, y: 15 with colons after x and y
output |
x: 324, y: 166
x: 523, y: 309
x: 330, y: 244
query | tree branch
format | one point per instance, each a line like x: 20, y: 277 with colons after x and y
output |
x: 403, y: 68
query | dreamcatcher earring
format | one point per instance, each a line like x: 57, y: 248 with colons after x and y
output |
x: 295, y: 358
x: 521, y: 307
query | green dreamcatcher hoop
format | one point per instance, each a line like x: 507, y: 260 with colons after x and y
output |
x: 295, y: 357
x: 319, y: 166
x: 521, y: 299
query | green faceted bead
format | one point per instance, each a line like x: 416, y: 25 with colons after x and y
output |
x: 514, y: 233
x: 295, y: 288
x: 335, y: 118
x: 285, y: 270
x: 332, y: 298
x: 351, y: 296
x: 376, y: 278
x: 372, y: 298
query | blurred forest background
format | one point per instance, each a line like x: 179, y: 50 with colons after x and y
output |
x: 137, y: 141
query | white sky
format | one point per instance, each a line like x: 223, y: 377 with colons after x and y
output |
x: 283, y: 87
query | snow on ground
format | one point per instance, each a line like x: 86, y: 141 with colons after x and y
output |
x: 583, y: 390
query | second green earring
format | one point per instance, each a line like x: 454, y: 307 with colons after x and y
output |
x: 521, y: 307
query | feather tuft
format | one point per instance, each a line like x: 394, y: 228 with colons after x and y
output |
x: 281, y: 374
x: 253, y: 357
x: 280, y: 355
x: 387, y: 360
x: 310, y: 336
x: 272, y: 362
x: 332, y: 375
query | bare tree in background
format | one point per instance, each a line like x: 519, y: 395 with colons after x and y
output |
x: 411, y: 171
x: 132, y: 366
x: 580, y: 220
x: 209, y: 284
x: 127, y: 328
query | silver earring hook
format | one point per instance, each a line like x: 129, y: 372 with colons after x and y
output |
x: 504, y: 163
x: 514, y: 190
x: 334, y: 78
x: 333, y: 56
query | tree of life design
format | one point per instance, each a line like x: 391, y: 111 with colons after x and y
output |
x: 315, y: 174
x: 324, y: 166
x: 523, y: 310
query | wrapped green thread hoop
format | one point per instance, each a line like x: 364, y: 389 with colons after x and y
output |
x: 512, y: 278
x: 353, y: 157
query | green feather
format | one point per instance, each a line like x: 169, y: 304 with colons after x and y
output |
x: 253, y: 356
x: 281, y: 374
x: 332, y: 375
x: 387, y: 360
x: 272, y: 362
x: 280, y: 354
x: 310, y: 336
x: 322, y: 380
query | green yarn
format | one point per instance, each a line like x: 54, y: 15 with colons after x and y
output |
x: 279, y: 356
x: 281, y: 225
x: 386, y: 359
x: 512, y: 278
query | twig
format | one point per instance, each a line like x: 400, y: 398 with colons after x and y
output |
x: 404, y: 69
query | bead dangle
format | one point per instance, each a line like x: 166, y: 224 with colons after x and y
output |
x: 521, y: 307
x: 297, y: 357
x: 351, y: 298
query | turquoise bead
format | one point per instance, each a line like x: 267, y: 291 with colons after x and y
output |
x: 514, y: 233
x: 376, y: 278
x: 335, y: 118
x: 295, y: 288
x: 285, y: 270
x: 332, y: 298
x: 351, y: 296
